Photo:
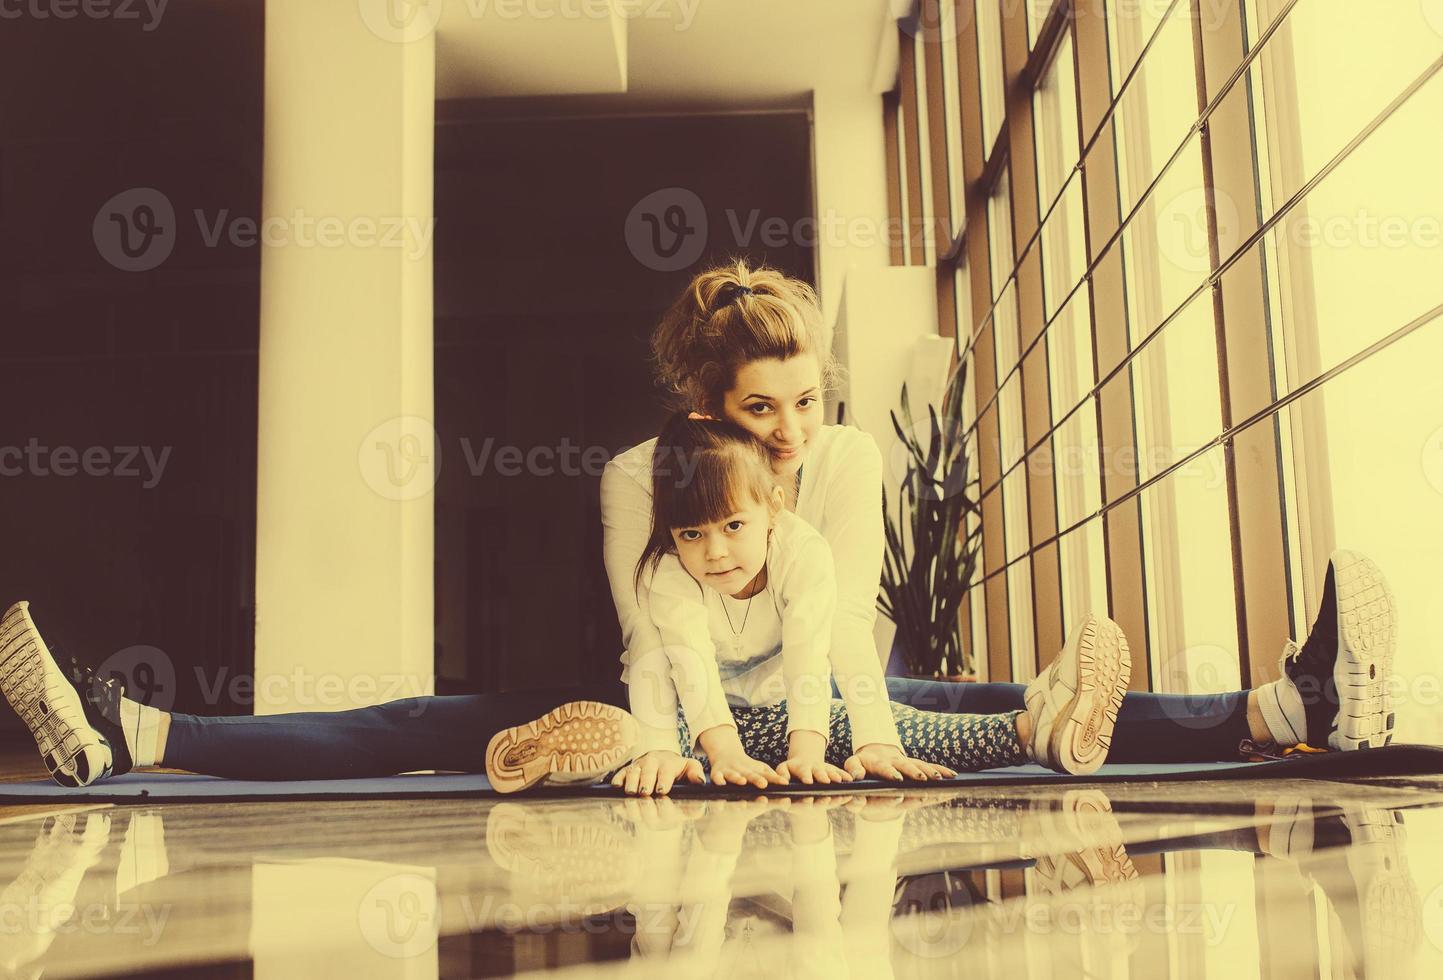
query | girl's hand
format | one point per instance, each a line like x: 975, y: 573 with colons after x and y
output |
x: 811, y: 771
x: 807, y: 759
x: 740, y: 769
x: 889, y: 762
x: 656, y: 771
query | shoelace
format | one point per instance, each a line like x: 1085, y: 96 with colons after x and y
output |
x: 1291, y: 651
x: 103, y: 694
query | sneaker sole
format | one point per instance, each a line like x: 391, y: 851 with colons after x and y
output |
x: 74, y: 753
x: 575, y: 742
x: 1367, y: 641
x: 1080, y: 743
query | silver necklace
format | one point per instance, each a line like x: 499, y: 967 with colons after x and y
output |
x: 737, y: 632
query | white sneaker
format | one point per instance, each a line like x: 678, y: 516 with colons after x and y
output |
x: 581, y: 741
x: 1073, y: 704
x: 75, y: 753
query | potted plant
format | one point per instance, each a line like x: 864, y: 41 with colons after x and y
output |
x: 931, y: 556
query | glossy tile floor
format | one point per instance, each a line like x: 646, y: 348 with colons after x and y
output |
x: 1223, y: 879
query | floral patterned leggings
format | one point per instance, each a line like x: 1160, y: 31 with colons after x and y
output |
x: 966, y: 743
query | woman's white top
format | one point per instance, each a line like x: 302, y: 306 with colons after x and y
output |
x: 841, y: 497
x: 773, y: 647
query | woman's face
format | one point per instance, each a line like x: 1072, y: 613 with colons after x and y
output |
x: 779, y: 402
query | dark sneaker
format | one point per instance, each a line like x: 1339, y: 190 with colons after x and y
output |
x: 1343, y: 670
x: 75, y: 752
x: 101, y: 699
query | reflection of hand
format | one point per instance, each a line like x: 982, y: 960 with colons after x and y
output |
x: 889, y: 762
x: 659, y: 813
x: 809, y: 824
x: 657, y: 771
x: 887, y: 806
x: 726, y: 823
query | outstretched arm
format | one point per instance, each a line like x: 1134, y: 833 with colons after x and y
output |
x: 626, y: 525
x: 853, y: 508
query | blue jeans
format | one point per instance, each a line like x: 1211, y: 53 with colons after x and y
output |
x: 451, y: 732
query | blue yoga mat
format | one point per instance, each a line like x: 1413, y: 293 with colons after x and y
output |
x: 1396, y: 760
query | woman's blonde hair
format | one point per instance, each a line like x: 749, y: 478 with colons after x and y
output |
x: 729, y: 316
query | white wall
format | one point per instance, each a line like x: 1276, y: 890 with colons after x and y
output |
x: 346, y: 463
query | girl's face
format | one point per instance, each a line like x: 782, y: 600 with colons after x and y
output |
x: 730, y: 554
x: 779, y: 402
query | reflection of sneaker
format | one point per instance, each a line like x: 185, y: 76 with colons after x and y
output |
x: 581, y: 741
x: 1341, y: 673
x: 1083, y: 821
x: 40, y: 897
x: 1360, y: 860
x: 1073, y: 704
x: 563, y: 854
x: 1095, y: 876
x: 75, y: 752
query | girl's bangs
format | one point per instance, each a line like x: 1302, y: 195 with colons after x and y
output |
x: 714, y: 491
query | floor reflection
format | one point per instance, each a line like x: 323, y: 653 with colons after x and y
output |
x: 1232, y: 880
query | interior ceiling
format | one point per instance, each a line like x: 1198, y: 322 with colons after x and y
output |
x: 679, y: 55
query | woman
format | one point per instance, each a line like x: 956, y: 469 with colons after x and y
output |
x: 751, y: 346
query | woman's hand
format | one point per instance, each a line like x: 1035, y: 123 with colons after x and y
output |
x: 889, y: 762
x: 656, y: 771
x: 807, y: 760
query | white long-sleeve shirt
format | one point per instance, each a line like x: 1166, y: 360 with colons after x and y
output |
x: 773, y: 647
x: 841, y: 497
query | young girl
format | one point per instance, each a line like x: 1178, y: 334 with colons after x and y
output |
x: 743, y: 593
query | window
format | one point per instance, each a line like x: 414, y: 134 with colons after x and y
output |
x: 952, y: 99
x: 1055, y: 120
x: 1187, y: 553
x: 1303, y: 239
x: 1037, y: 11
x: 1352, y: 266
x: 992, y: 85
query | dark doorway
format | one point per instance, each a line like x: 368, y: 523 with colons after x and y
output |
x: 548, y: 282
x: 128, y: 407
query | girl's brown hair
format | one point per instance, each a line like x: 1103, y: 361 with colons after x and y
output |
x: 702, y: 471
x: 729, y: 316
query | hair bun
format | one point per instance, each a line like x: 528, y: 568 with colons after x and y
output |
x: 728, y: 294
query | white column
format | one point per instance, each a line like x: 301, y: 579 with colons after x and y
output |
x: 347, y: 456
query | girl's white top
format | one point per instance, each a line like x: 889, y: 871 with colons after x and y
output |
x: 725, y: 652
x: 841, y: 497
